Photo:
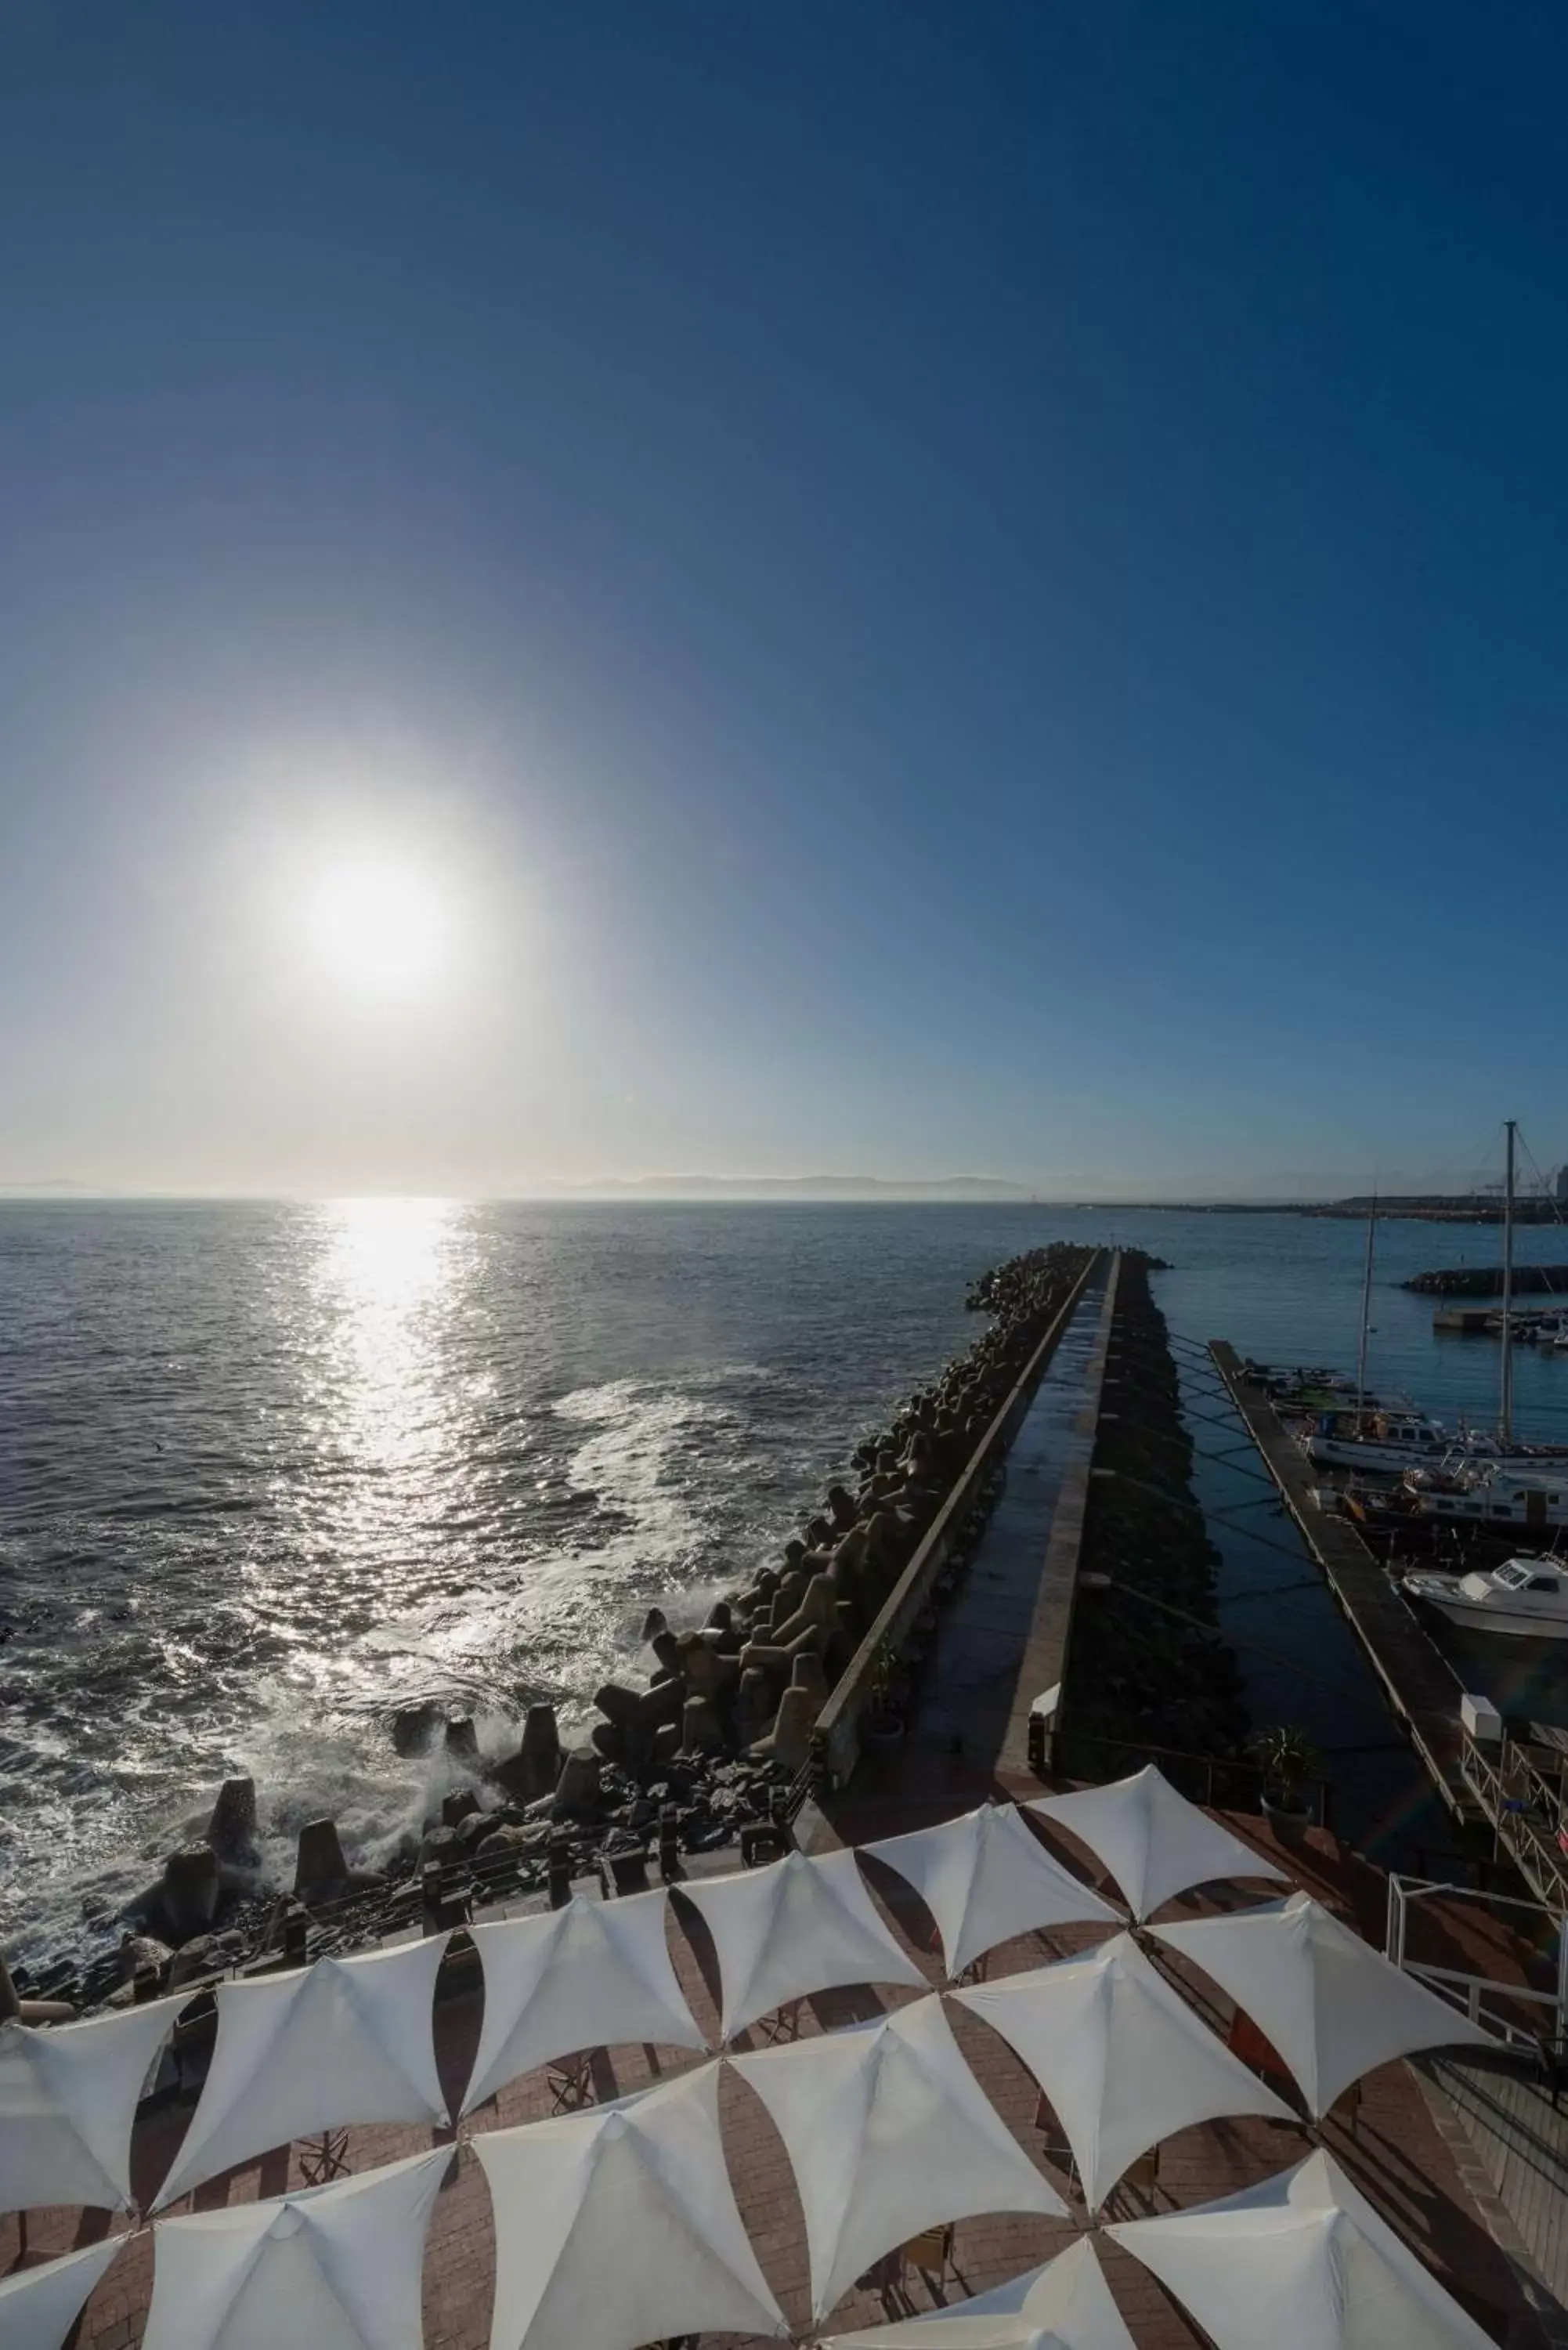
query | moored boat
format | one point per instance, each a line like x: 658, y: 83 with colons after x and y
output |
x: 1525, y: 1597
x: 1493, y: 1494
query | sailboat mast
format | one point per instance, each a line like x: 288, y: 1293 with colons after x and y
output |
x: 1505, y: 1414
x: 1366, y: 1321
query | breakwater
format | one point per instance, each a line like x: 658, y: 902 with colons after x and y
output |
x: 714, y: 1743
x: 1486, y: 1281
x: 1146, y: 1666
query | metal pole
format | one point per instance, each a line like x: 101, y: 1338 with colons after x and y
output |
x: 1505, y: 1416
x: 1365, y: 1320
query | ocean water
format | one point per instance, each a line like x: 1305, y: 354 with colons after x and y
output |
x: 269, y: 1470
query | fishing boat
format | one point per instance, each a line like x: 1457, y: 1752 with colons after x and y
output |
x: 1526, y: 1597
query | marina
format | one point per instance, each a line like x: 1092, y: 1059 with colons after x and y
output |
x: 1421, y: 1688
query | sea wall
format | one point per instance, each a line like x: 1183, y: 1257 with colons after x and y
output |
x: 837, y: 1740
x: 1146, y: 1666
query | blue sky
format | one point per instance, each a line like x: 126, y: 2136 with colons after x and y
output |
x: 924, y: 587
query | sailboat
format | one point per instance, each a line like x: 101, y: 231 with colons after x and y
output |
x: 1396, y: 1441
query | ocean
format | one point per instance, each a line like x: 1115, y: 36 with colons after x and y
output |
x: 269, y: 1470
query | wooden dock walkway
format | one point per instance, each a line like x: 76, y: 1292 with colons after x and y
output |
x: 1421, y: 1688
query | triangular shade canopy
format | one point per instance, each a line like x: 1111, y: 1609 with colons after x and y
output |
x: 887, y: 2132
x: 1122, y: 2057
x: 984, y: 1877
x: 39, y: 2306
x: 332, y: 2268
x: 795, y: 1926
x: 1333, y: 2007
x: 591, y: 1975
x: 618, y: 2226
x: 1066, y: 2306
x: 68, y: 2094
x: 344, y: 2041
x: 1154, y: 1842
x: 1300, y: 2261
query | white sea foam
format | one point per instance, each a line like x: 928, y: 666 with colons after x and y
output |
x: 268, y: 1479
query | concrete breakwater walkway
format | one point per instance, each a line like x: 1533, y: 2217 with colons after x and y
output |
x: 1002, y: 1643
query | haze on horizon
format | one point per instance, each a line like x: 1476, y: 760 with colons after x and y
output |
x: 596, y: 588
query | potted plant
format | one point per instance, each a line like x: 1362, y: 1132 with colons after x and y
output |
x: 882, y: 1723
x: 1287, y: 1757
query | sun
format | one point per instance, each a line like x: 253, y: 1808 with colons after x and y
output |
x: 379, y: 930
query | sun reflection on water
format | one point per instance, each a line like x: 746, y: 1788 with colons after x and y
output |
x: 385, y: 1276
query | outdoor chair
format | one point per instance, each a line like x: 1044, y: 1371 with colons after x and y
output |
x: 1141, y: 2177
x: 624, y: 1872
x: 1044, y: 2120
x: 783, y: 2024
x: 761, y: 1841
x: 1260, y: 2054
x: 570, y: 2080
x: 324, y: 2158
x: 932, y: 2252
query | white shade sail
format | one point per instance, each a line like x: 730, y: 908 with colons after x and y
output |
x: 618, y: 2226
x: 591, y: 1975
x: 1122, y: 2057
x: 1332, y: 2006
x: 1066, y: 2306
x: 984, y: 1879
x: 1154, y: 1842
x: 39, y: 2306
x: 331, y: 2268
x: 344, y: 2041
x: 797, y: 1925
x: 1300, y: 2262
x: 887, y: 2132
x: 68, y: 2094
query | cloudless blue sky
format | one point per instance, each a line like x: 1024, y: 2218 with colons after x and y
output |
x: 927, y: 587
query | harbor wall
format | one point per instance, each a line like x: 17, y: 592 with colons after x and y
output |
x: 836, y: 1741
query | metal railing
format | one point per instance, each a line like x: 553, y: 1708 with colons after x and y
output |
x: 1524, y: 1803
x: 1215, y: 1781
x: 1484, y: 1999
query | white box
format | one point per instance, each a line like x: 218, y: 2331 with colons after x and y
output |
x: 1481, y: 1719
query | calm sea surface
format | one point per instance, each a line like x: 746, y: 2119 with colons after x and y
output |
x: 267, y: 1471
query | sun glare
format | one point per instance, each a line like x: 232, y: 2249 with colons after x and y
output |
x: 379, y: 929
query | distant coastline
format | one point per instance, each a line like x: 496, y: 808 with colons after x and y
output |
x: 957, y: 1190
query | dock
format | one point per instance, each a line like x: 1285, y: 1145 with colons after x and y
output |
x: 1420, y: 1686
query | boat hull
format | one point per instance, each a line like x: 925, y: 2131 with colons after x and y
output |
x: 1478, y: 1615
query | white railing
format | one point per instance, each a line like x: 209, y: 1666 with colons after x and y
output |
x: 1524, y: 1806
x: 1482, y: 1998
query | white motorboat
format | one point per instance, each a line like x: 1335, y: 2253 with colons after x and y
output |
x: 1526, y: 1597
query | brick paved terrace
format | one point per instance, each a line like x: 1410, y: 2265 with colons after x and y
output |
x: 1395, y: 2151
